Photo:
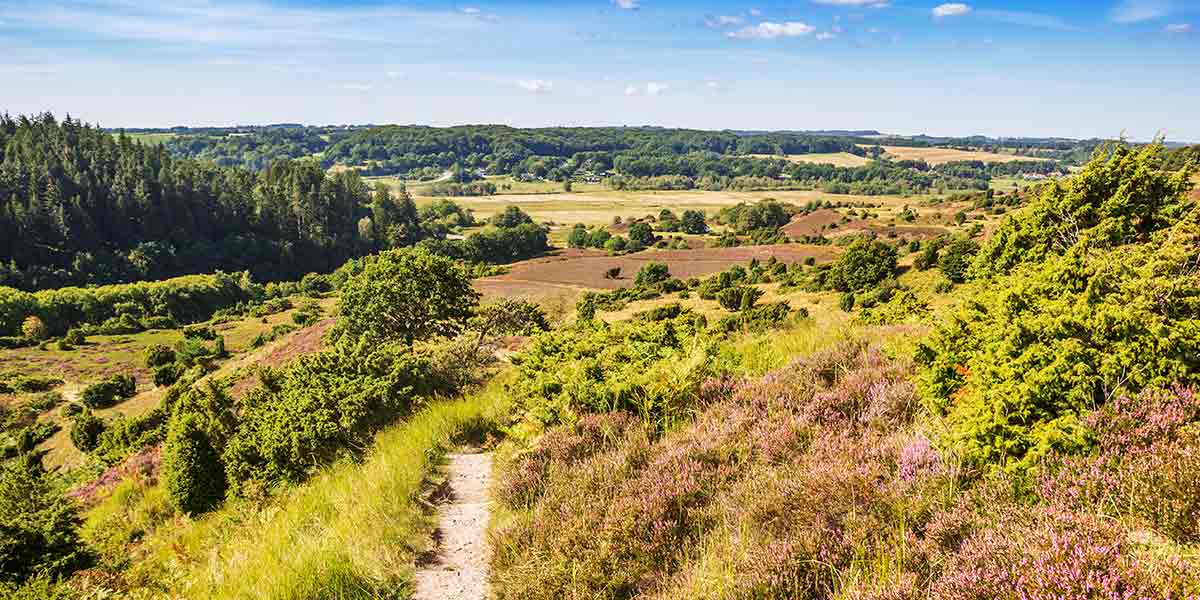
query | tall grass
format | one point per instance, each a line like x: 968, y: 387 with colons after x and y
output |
x: 350, y: 532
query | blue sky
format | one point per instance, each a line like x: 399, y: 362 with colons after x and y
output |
x: 1004, y: 67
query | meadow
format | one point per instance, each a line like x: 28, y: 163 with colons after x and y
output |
x: 937, y: 156
x: 837, y: 159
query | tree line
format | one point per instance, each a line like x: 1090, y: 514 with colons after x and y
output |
x: 79, y: 206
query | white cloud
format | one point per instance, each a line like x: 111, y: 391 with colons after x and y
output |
x: 712, y: 85
x: 1133, y: 11
x: 357, y: 87
x: 654, y: 88
x: 537, y: 86
x: 1178, y: 28
x: 471, y: 10
x: 769, y: 31
x: 631, y: 90
x: 395, y: 74
x: 627, y: 4
x: 951, y: 9
x: 723, y: 21
x: 754, y: 12
x: 825, y: 35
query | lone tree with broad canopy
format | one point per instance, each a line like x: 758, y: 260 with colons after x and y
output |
x: 407, y: 295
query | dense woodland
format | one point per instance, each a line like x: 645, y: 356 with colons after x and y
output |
x: 83, y: 207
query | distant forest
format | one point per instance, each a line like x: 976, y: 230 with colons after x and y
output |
x: 645, y: 158
x: 80, y: 206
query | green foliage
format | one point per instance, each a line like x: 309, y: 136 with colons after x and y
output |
x: 652, y: 369
x: 766, y: 214
x: 642, y: 233
x: 38, y: 526
x: 512, y: 216
x: 904, y: 306
x: 1015, y: 368
x: 693, y: 222
x: 846, y: 301
x: 1120, y: 197
x: 158, y: 355
x: 406, y: 295
x: 109, y: 392
x: 28, y: 384
x: 652, y: 273
x: 320, y: 407
x: 187, y: 299
x: 85, y: 431
x: 192, y: 470
x: 863, y: 265
x: 955, y: 259
x: 579, y: 237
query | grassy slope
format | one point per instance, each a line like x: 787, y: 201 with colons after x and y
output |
x: 352, y: 531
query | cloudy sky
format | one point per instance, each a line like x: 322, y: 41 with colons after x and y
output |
x: 1075, y: 68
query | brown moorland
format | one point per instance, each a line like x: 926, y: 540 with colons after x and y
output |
x: 818, y: 222
x: 574, y: 269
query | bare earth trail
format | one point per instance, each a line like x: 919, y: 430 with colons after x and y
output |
x: 460, y: 570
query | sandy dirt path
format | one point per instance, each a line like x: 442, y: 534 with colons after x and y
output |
x: 460, y: 570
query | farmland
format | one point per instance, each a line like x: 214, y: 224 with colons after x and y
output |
x: 837, y: 159
x: 574, y: 270
x: 937, y: 156
x: 599, y: 208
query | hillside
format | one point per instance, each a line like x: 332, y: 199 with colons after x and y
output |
x: 974, y: 396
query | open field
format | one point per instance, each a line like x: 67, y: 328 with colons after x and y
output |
x: 599, y: 208
x: 837, y: 159
x: 152, y: 138
x: 505, y: 183
x: 937, y: 156
x: 575, y: 270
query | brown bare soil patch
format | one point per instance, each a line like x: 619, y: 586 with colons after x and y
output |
x: 814, y: 223
x: 577, y: 270
x: 817, y: 222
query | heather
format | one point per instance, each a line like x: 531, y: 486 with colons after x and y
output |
x: 821, y: 479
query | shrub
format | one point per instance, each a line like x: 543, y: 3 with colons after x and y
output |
x: 109, y: 392
x: 613, y: 273
x: 38, y: 526
x: 846, y: 301
x: 158, y: 355
x: 406, y: 295
x: 1034, y: 350
x: 33, y: 328
x: 652, y: 273
x: 166, y: 375
x: 85, y: 431
x: 943, y: 286
x: 864, y: 264
x: 192, y: 470
x: 75, y: 337
x: 199, y: 332
x: 956, y: 258
x: 1118, y: 198
x: 642, y: 233
x: 320, y: 407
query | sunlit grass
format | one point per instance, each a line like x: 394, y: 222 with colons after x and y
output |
x: 352, y: 531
